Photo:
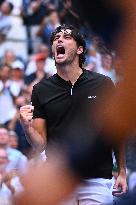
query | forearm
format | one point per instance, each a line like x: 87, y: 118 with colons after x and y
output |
x: 74, y: 14
x: 63, y: 13
x: 35, y: 129
x: 120, y: 158
x: 121, y: 180
x: 34, y: 138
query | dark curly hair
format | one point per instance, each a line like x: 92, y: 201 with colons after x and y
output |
x: 77, y: 37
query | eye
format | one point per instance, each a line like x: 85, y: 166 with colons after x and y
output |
x: 67, y: 37
x: 56, y: 38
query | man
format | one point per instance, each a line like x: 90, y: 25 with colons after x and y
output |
x: 5, y: 18
x: 64, y: 115
x: 18, y: 161
x: 9, y: 182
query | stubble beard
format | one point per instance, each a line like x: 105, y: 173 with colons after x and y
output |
x: 67, y: 62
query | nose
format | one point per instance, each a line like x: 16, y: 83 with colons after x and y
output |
x: 60, y: 39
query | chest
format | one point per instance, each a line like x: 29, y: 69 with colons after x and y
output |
x: 70, y: 101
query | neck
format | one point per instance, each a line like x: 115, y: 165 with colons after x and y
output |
x: 69, y: 72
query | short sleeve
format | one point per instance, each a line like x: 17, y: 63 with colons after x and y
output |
x: 38, y: 109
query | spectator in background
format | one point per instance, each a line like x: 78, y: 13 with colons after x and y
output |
x: 17, y: 6
x: 68, y: 15
x: 36, y: 11
x: 100, y: 59
x: 9, y: 182
x: 32, y: 16
x: 95, y: 49
x: 106, y: 67
x: 15, y: 126
x: 5, y: 20
x: 49, y: 65
x: 17, y: 77
x: 9, y: 57
x: 48, y: 24
x: 7, y: 107
x: 40, y: 73
x: 17, y: 161
x: 13, y: 139
x: 93, y: 58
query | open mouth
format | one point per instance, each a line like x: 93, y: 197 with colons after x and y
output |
x: 60, y: 50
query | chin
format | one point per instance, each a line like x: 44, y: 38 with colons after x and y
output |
x: 60, y: 62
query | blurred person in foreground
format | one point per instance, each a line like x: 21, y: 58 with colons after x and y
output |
x: 64, y: 115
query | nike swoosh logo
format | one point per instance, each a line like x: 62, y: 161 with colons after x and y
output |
x: 91, y: 97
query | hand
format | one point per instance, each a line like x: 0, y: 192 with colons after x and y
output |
x: 121, y: 185
x: 26, y: 114
x: 7, y: 176
x: 67, y: 4
x: 6, y: 179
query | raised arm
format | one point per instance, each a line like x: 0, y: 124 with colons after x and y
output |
x: 35, y: 129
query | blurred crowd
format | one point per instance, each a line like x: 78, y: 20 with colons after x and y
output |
x: 25, y: 59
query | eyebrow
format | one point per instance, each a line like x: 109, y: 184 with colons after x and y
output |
x: 64, y: 34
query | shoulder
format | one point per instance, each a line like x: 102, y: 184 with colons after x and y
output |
x: 98, y: 78
x: 45, y: 82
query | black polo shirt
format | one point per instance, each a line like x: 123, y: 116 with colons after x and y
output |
x: 70, y: 112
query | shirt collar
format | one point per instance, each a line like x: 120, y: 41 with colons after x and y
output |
x: 63, y: 82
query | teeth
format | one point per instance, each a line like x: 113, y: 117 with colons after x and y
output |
x: 59, y: 46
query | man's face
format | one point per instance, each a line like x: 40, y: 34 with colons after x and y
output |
x: 107, y: 62
x: 5, y: 8
x: 5, y: 73
x: 4, y: 136
x: 64, y: 47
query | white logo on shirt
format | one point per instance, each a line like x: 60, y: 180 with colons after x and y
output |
x: 92, y: 96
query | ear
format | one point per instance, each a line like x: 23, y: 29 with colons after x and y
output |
x: 80, y: 50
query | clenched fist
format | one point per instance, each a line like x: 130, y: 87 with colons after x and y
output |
x: 26, y: 114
